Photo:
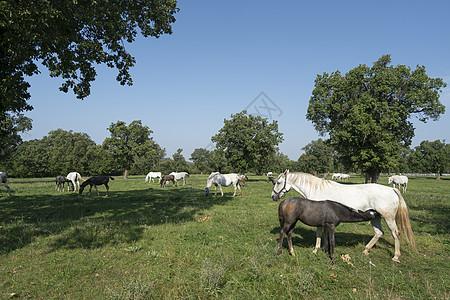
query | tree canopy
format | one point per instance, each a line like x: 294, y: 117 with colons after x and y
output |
x: 367, y: 112
x: 248, y: 141
x: 318, y: 157
x: 70, y: 38
x: 128, y: 142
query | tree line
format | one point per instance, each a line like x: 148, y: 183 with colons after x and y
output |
x: 246, y: 143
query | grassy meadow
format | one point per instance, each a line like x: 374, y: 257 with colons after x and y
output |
x: 147, y: 242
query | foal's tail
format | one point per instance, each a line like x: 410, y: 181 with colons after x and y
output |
x: 402, y: 219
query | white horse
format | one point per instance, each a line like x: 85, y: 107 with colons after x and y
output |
x: 222, y: 180
x: 344, y: 177
x: 75, y: 177
x: 336, y: 176
x: 152, y: 175
x: 387, y: 201
x: 401, y: 180
x: 3, y: 179
x: 179, y: 176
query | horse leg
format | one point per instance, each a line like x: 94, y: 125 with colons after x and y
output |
x: 319, y: 232
x: 289, y: 239
x: 90, y: 189
x: 395, y: 234
x: 331, y: 241
x: 280, y: 241
x: 221, y: 191
x: 107, y: 189
x: 239, y: 187
x: 376, y: 224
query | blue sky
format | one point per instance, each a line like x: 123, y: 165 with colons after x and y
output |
x: 225, y: 56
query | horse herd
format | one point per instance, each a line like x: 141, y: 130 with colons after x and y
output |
x: 324, y: 203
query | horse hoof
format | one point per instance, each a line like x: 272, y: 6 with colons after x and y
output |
x: 366, y: 252
x: 395, y: 259
x: 315, y: 251
x: 292, y: 253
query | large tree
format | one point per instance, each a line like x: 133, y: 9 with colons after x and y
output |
x: 70, y: 38
x: 128, y: 142
x: 367, y: 112
x: 248, y: 141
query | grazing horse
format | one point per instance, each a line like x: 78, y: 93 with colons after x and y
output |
x: 167, y: 178
x: 222, y: 180
x: 93, y: 182
x: 60, y: 180
x: 75, y: 177
x: 344, y: 177
x: 326, y: 214
x: 388, y: 202
x: 152, y: 175
x: 401, y: 180
x: 336, y: 176
x: 3, y: 179
x: 180, y: 175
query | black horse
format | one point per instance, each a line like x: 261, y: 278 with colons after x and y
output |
x: 60, y: 180
x: 94, y: 181
x: 327, y: 213
x: 165, y: 178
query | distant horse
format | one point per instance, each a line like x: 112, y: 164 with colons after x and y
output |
x: 179, y: 176
x: 344, y: 177
x: 75, y: 177
x: 167, y: 178
x: 400, y: 180
x: 222, y: 180
x: 93, y: 182
x: 152, y: 175
x: 60, y: 180
x: 326, y: 214
x: 3, y: 179
x: 336, y: 176
x: 388, y: 202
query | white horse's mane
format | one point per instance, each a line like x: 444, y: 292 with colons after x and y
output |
x: 314, y: 183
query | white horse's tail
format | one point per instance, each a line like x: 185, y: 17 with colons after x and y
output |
x: 146, y: 178
x: 402, y: 219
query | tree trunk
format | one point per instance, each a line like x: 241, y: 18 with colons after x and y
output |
x: 125, y: 174
x: 438, y: 176
x: 372, y: 176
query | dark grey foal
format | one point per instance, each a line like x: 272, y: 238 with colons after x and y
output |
x: 94, y: 181
x: 327, y: 214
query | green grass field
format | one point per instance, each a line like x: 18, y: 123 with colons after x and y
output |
x: 145, y: 242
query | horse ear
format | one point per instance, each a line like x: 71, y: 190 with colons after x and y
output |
x: 286, y: 171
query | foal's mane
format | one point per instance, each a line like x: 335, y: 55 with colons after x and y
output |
x: 312, y: 181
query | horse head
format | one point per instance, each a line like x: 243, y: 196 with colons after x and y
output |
x: 280, y: 186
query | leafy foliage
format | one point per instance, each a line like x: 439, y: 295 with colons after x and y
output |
x: 70, y: 38
x: 318, y: 157
x: 367, y: 112
x: 431, y: 157
x: 128, y: 142
x: 248, y: 141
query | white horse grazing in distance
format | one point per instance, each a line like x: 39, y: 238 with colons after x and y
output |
x: 75, y: 177
x: 400, y: 180
x: 336, y: 176
x: 222, y: 180
x: 3, y: 179
x: 152, y: 175
x: 179, y: 176
x: 344, y: 177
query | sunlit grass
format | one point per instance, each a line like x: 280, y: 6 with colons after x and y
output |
x: 145, y: 242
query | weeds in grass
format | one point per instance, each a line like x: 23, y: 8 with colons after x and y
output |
x: 212, y: 277
x: 133, y: 290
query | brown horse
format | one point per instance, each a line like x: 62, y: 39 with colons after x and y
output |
x: 166, y: 178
